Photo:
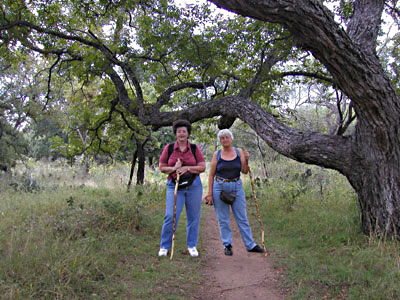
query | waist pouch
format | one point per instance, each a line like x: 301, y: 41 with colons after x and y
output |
x: 185, y: 180
x: 227, y: 197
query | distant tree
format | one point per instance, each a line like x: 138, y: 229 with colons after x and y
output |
x: 39, y: 134
x: 14, y: 111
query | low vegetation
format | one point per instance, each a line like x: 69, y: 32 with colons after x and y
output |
x: 312, y: 224
x: 64, y: 235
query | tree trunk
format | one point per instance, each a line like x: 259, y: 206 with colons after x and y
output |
x: 378, y: 193
x: 151, y: 163
x: 141, y: 164
x: 133, y: 164
x: 86, y: 165
x: 375, y: 178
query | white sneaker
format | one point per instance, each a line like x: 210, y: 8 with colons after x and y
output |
x: 163, y: 252
x: 193, y: 252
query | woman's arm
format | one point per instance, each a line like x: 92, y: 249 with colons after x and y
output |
x: 197, y: 169
x: 244, y: 160
x: 200, y: 166
x: 213, y: 168
x: 164, y: 168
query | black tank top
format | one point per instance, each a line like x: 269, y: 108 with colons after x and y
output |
x: 228, y: 169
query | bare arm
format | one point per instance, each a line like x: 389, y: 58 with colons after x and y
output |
x: 213, y: 167
x: 164, y: 168
x: 197, y: 169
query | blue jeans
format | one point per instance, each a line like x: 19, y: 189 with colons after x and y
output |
x: 191, y: 198
x: 222, y: 210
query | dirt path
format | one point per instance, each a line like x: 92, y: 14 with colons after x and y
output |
x: 239, y: 277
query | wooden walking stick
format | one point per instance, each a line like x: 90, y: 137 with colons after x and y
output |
x: 174, y: 224
x: 258, y: 211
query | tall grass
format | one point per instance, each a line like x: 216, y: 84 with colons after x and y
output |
x: 312, y: 228
x: 69, y: 235
x: 66, y: 239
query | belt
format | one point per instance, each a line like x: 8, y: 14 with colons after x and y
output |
x: 226, y: 179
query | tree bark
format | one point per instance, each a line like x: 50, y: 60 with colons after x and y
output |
x: 141, y: 162
x: 133, y: 164
x: 151, y: 163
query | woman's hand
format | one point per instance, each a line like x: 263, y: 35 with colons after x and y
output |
x: 183, y: 170
x: 209, y: 199
x: 178, y: 164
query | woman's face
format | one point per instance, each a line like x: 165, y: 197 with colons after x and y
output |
x: 225, y: 140
x: 182, y: 134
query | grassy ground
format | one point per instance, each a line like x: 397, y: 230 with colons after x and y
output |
x: 68, y: 241
x: 65, y: 236
x: 313, y: 229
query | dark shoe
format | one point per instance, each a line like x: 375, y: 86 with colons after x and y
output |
x: 228, y: 250
x: 257, y: 248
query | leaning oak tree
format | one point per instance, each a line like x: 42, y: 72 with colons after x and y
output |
x: 158, y: 64
x: 369, y: 157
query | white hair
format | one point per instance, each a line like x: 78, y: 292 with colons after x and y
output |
x: 224, y: 132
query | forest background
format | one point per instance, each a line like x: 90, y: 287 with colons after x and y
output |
x: 88, y: 94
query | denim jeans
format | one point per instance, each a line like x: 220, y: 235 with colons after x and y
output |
x: 191, y: 198
x: 222, y: 210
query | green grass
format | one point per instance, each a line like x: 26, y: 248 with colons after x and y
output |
x: 89, y: 243
x: 315, y: 237
x: 76, y: 237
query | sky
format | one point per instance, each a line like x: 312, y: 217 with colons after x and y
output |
x: 186, y: 2
x: 390, y: 30
x: 183, y: 3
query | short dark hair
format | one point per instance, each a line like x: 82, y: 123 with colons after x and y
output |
x: 182, y: 123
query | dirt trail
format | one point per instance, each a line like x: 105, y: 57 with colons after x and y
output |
x: 239, y: 277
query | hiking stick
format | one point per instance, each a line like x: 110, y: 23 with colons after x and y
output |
x: 174, y: 224
x: 258, y: 211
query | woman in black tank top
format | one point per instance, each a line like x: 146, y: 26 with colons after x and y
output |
x: 224, y: 177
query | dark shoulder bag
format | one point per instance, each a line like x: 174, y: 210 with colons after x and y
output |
x: 185, y: 180
x: 227, y: 197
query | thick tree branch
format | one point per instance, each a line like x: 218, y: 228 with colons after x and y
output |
x: 309, y: 147
x: 265, y: 66
x: 49, y: 82
x: 307, y: 74
x: 363, y: 27
x: 121, y: 90
x: 166, y: 95
x: 138, y: 89
x: 23, y: 23
x: 313, y: 27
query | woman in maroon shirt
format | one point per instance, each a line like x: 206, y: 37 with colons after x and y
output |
x: 182, y: 161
